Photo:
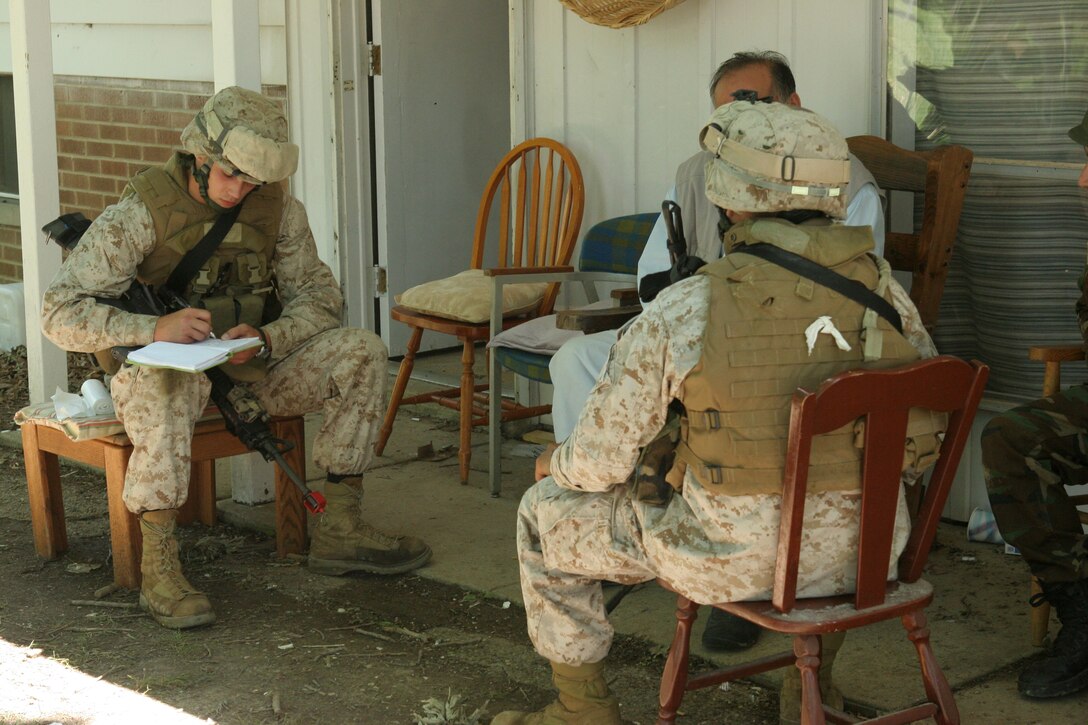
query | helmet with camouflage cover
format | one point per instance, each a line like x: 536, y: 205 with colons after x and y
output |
x: 771, y: 157
x: 245, y: 133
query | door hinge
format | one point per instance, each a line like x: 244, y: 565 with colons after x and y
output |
x: 377, y: 280
x: 373, y: 59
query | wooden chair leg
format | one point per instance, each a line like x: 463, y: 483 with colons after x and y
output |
x: 45, y: 497
x: 675, y: 676
x: 806, y: 649
x: 468, y: 390
x: 1040, y: 616
x: 200, y: 503
x: 937, y: 688
x: 125, y: 537
x: 290, y: 511
x: 404, y: 373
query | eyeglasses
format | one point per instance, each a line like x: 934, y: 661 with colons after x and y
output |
x: 745, y: 94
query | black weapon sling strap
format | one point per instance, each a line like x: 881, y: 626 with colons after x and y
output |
x: 849, y: 288
x: 195, y: 258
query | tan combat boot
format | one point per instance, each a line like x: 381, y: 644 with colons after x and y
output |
x: 343, y: 542
x: 164, y: 592
x: 584, y: 699
x: 789, y: 699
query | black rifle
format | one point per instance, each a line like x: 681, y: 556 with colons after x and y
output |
x: 241, y: 410
x: 683, y: 264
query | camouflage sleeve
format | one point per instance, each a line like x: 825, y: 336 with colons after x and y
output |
x: 913, y: 329
x: 103, y: 264
x: 628, y: 406
x: 308, y: 290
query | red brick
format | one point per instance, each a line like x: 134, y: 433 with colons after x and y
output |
x: 60, y: 93
x: 195, y: 102
x: 155, y: 118
x: 104, y: 184
x: 84, y: 130
x: 68, y: 180
x: 98, y: 148
x: 167, y: 137
x: 178, y: 120
x: 65, y: 163
x: 11, y: 254
x: 113, y: 133
x: 85, y: 165
x: 71, y: 146
x: 141, y: 134
x: 155, y: 154
x: 69, y: 110
x: 81, y: 94
x: 11, y: 273
x: 126, y: 152
x: 124, y: 114
x: 115, y: 168
x: 109, y: 96
x: 90, y: 200
x: 67, y: 197
x: 64, y: 128
x: 134, y: 98
x: 97, y: 113
x: 167, y: 99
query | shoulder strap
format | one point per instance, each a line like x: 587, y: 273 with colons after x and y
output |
x: 195, y: 258
x: 849, y: 288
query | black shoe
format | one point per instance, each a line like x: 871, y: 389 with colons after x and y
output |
x: 1064, y: 669
x: 725, y: 632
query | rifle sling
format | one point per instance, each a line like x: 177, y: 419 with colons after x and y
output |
x: 195, y: 258
x: 849, y: 288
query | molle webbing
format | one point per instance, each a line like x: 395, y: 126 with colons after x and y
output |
x: 755, y: 356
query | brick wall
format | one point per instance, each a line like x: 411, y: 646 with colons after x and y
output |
x: 107, y: 130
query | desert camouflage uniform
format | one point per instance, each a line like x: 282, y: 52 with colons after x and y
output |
x: 580, y: 526
x: 315, y: 365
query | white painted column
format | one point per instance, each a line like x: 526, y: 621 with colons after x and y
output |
x: 236, y: 61
x: 236, y: 44
x: 39, y: 195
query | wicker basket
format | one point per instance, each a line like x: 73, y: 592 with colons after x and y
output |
x: 619, y: 13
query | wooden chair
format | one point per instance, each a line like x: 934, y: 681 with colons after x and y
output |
x: 941, y: 177
x: 540, y: 196
x: 609, y: 253
x: 1052, y: 356
x: 884, y: 398
x: 211, y: 440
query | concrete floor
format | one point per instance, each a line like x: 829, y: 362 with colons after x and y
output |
x: 979, y: 619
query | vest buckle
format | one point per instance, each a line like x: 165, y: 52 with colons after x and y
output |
x: 714, y: 421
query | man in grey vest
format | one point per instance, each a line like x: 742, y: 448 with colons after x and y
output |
x: 575, y: 367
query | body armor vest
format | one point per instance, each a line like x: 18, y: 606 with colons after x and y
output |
x: 236, y: 283
x: 755, y: 355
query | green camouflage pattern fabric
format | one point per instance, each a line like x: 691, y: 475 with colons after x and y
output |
x: 245, y: 132
x: 1030, y: 454
x: 314, y: 365
x: 582, y: 525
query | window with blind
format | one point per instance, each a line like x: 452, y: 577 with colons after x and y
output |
x: 1007, y: 79
x: 9, y: 171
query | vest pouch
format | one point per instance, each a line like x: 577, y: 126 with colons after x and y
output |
x: 207, y: 277
x: 250, y: 269
x: 224, y: 313
x: 250, y: 309
x: 655, y: 461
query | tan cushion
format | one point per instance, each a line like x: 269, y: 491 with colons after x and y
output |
x: 467, y: 297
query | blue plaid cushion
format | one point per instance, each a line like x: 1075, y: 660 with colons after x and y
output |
x: 532, y: 365
x: 615, y: 245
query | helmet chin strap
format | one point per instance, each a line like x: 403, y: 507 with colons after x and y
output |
x: 201, y: 175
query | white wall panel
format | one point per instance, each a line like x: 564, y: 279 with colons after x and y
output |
x: 630, y: 102
x: 145, y: 39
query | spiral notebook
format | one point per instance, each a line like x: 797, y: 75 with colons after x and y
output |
x: 191, y: 357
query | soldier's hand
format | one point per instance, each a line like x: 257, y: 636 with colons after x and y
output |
x: 240, y: 331
x: 189, y: 324
x: 544, y: 461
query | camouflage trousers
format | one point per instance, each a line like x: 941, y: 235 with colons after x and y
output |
x: 568, y: 541
x: 340, y: 372
x: 1030, y: 454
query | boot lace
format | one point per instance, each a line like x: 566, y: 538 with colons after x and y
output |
x: 377, y: 535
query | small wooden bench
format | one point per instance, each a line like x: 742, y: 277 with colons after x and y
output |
x: 211, y: 440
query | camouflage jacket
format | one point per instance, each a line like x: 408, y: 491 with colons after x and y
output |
x: 698, y: 532
x: 104, y: 265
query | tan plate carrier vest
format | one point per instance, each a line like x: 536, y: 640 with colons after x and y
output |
x: 755, y: 355
x: 236, y: 284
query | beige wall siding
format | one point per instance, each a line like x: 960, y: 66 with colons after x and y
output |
x: 107, y: 130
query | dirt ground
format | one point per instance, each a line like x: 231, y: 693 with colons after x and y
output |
x: 289, y: 646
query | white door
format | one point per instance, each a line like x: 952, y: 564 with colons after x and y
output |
x: 440, y: 124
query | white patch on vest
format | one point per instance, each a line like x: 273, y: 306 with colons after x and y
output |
x: 826, y: 326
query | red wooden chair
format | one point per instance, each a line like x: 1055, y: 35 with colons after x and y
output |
x: 883, y: 398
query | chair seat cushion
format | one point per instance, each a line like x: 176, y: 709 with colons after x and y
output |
x: 531, y: 365
x: 466, y: 296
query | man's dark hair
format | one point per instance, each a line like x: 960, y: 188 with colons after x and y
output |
x: 781, y: 76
